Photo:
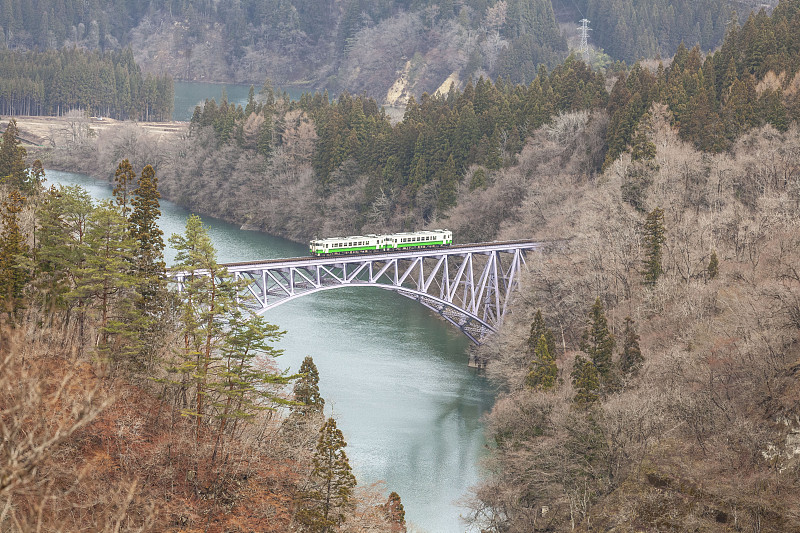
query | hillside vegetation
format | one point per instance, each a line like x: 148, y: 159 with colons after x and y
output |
x: 649, y: 369
x: 390, y: 49
x: 128, y: 406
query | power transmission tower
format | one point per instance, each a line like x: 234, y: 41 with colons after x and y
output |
x: 585, y: 29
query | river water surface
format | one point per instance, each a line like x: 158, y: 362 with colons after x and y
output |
x: 394, y: 376
x: 189, y: 94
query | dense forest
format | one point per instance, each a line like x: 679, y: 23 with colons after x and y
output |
x: 649, y: 371
x: 451, y: 144
x: 391, y: 49
x: 630, y: 31
x: 128, y: 406
x: 106, y: 84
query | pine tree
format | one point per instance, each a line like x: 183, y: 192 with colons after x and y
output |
x: 543, y: 370
x: 585, y: 381
x: 207, y: 298
x: 395, y: 513
x: 631, y: 359
x: 244, y: 383
x: 598, y: 342
x: 105, y: 281
x: 322, y: 507
x: 13, y: 252
x: 61, y: 226
x: 713, y: 265
x: 123, y: 179
x: 654, y: 239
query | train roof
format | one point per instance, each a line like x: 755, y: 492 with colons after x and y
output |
x: 421, y: 232
x: 376, y: 236
x: 349, y: 238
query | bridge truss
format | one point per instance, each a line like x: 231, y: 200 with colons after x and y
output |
x: 470, y: 286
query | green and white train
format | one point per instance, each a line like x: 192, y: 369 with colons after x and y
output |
x: 358, y: 244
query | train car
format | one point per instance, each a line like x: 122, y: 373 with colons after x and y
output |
x: 357, y: 244
x: 418, y: 239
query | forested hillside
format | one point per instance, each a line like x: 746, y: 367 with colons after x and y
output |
x: 330, y: 44
x: 362, y: 173
x: 630, y: 31
x: 390, y: 49
x: 649, y: 370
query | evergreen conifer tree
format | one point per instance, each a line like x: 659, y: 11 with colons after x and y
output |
x: 585, y: 381
x: 242, y: 384
x: 395, y: 513
x: 631, y: 359
x: 539, y: 329
x: 543, y: 370
x: 145, y: 230
x: 654, y: 239
x: 206, y: 301
x: 13, y: 251
x: 478, y: 180
x: 448, y: 184
x: 105, y: 281
x: 13, y: 168
x: 123, y: 184
x: 306, y: 389
x: 61, y: 215
x: 323, y: 506
x: 598, y: 342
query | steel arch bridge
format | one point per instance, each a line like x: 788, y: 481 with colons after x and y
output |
x: 469, y: 285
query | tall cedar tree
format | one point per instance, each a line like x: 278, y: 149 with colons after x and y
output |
x: 631, y: 359
x: 395, y: 513
x: 538, y: 329
x: 654, y: 239
x: 13, y: 252
x: 149, y: 256
x: 123, y: 183
x: 13, y: 168
x: 585, y: 381
x: 598, y: 342
x: 543, y: 370
x: 322, y: 507
x: 306, y: 389
x: 144, y: 226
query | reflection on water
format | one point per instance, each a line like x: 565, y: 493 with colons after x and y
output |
x: 393, y: 374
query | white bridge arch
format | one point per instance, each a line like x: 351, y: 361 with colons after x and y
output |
x: 469, y: 285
